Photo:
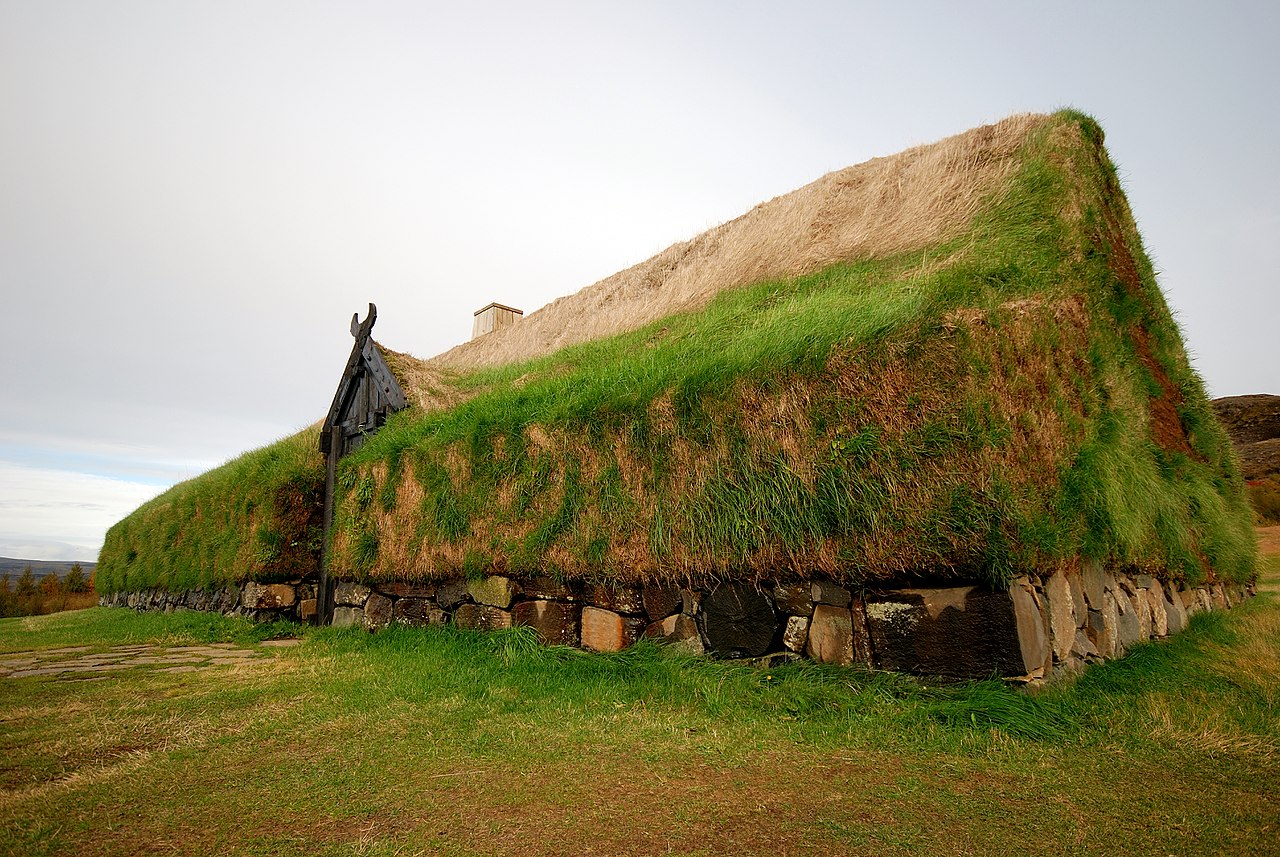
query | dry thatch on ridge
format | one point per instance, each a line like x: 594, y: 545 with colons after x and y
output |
x: 885, y: 206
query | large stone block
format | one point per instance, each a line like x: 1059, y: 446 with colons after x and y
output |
x: 1062, y: 616
x: 679, y: 630
x: 270, y: 596
x: 1173, y: 607
x: 346, y: 617
x: 556, y: 622
x: 307, y: 610
x: 419, y: 612
x: 831, y: 635
x: 607, y: 631
x: 481, y: 617
x: 1079, y: 606
x: 1219, y: 593
x: 1096, y: 581
x: 1142, y: 607
x: 795, y: 636
x: 793, y: 599
x: 349, y: 594
x: 1033, y: 630
x: 1159, y: 613
x: 494, y: 591
x: 737, y: 620
x: 377, y: 611
x: 1129, y: 629
x: 967, y: 632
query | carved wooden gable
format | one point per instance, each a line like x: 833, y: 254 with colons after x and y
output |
x: 367, y: 394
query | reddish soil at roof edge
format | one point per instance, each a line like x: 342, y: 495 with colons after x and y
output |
x: 1167, y: 427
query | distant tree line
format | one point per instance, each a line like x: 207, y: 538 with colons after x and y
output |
x: 49, y: 595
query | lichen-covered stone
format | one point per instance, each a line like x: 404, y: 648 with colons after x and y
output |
x: 349, y: 594
x: 346, y: 617
x: 481, y: 617
x: 418, y: 611
x: 1079, y: 606
x: 1032, y: 629
x: 269, y: 596
x: 555, y: 622
x: 1062, y: 617
x: 1096, y: 581
x: 1176, y: 612
x: 1129, y: 629
x: 795, y: 634
x: 793, y: 599
x: 495, y: 591
x: 1142, y: 608
x: 1159, y: 612
x: 377, y: 611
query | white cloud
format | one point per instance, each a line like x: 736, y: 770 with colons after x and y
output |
x: 58, y: 514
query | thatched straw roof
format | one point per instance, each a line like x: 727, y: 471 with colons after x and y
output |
x: 882, y: 207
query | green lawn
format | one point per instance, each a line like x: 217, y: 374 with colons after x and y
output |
x: 443, y: 742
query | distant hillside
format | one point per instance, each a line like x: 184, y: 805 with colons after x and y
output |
x: 1253, y: 422
x: 40, y: 567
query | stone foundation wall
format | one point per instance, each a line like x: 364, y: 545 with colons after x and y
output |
x: 1039, y: 628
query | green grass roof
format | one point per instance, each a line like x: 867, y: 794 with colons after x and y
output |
x: 1009, y: 396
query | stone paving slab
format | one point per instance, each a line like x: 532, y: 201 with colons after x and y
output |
x: 79, y: 663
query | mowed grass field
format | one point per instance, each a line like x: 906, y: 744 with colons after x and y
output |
x: 441, y: 742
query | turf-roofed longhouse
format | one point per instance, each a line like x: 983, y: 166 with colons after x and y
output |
x: 930, y: 412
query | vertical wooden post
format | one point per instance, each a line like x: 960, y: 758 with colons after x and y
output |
x: 324, y: 594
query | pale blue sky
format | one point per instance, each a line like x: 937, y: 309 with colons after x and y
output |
x: 194, y: 197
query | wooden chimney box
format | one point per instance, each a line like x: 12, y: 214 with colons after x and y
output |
x: 494, y: 317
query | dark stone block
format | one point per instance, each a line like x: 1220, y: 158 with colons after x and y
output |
x: 737, y: 620
x: 966, y: 632
x: 377, y: 611
x: 620, y: 599
x: 794, y: 599
x: 481, y: 617
x: 547, y: 589
x: 453, y: 593
x: 661, y: 601
x: 402, y: 589
x: 557, y: 623
x: 417, y: 611
x: 826, y: 592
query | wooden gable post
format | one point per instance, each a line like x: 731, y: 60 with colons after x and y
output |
x: 367, y: 394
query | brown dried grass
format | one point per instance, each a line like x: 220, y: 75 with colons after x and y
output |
x: 885, y: 206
